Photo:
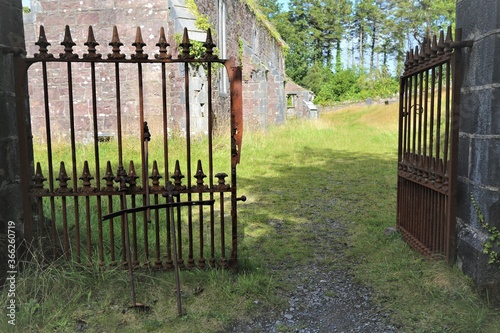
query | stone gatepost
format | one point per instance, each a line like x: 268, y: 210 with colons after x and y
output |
x: 11, y: 210
x: 479, y: 143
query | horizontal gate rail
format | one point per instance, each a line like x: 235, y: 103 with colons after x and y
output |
x: 428, y: 141
x: 73, y: 204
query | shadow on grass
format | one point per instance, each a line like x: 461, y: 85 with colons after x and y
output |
x: 291, y: 195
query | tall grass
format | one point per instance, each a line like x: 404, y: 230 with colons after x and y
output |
x: 341, y: 167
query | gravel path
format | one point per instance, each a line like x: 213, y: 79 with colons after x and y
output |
x: 326, y: 298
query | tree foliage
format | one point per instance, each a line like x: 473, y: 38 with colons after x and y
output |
x: 361, y: 41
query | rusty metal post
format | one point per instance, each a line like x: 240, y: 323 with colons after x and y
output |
x: 169, y: 193
x: 122, y: 179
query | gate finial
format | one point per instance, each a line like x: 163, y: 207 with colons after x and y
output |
x: 109, y: 178
x: 68, y: 45
x: 163, y: 44
x: 440, y: 45
x: 186, y: 45
x: 38, y: 178
x: 448, y: 40
x: 434, y: 48
x: 209, y: 47
x: 86, y: 177
x: 91, y: 43
x: 177, y: 177
x: 63, y: 180
x: 155, y: 177
x: 139, y: 44
x: 199, y: 178
x: 132, y: 176
x: 42, y: 43
x: 116, y: 44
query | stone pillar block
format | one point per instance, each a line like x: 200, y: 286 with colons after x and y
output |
x: 479, y: 143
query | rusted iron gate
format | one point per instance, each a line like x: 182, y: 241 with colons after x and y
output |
x: 81, y: 206
x: 429, y: 113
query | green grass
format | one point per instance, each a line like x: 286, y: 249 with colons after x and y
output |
x: 341, y: 167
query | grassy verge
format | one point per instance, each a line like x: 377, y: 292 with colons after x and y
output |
x: 341, y: 167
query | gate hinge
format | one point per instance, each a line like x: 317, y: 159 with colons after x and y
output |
x: 11, y: 49
x: 461, y: 44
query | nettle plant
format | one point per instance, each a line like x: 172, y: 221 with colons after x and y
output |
x: 491, y: 246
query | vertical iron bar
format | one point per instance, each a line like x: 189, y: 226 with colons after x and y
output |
x: 158, y: 262
x: 414, y: 125
x: 201, y: 261
x: 448, y: 116
x: 165, y: 157
x: 127, y: 248
x: 408, y: 121
x: 438, y: 120
x: 180, y: 259
x: 402, y: 119
x: 144, y: 170
x: 135, y: 259
x: 120, y: 159
x: 420, y: 116
x: 223, y: 260
x: 118, y: 115
x: 426, y: 109
x: 97, y: 162
x: 111, y: 232
x: 432, y: 165
x: 89, y: 232
x: 188, y: 156
x: 211, y: 164
x: 65, y: 226
x: 169, y: 193
x: 73, y: 159
x: 236, y: 137
x: 49, y: 157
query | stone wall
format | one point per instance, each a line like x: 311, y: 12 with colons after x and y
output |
x: 479, y: 143
x: 247, y: 39
x: 11, y: 209
x: 54, y: 15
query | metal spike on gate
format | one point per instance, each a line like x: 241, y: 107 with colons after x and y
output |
x: 186, y: 46
x: 116, y: 44
x: 91, y: 43
x: 42, y: 43
x: 139, y: 44
x: 68, y: 46
x: 109, y: 178
x: 163, y: 44
x: 155, y: 177
x: 440, y: 45
x: 209, y: 47
x: 38, y: 178
x: 63, y: 180
x: 434, y: 47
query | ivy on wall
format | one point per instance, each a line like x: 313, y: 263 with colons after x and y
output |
x: 491, y: 246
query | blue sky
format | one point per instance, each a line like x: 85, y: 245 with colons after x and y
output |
x: 285, y: 3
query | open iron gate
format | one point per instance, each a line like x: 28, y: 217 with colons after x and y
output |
x: 77, y: 207
x: 429, y: 113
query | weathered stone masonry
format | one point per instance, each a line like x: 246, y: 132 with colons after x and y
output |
x: 479, y: 143
x: 11, y: 36
x: 247, y: 40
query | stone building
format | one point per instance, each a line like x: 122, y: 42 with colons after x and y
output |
x: 239, y: 31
